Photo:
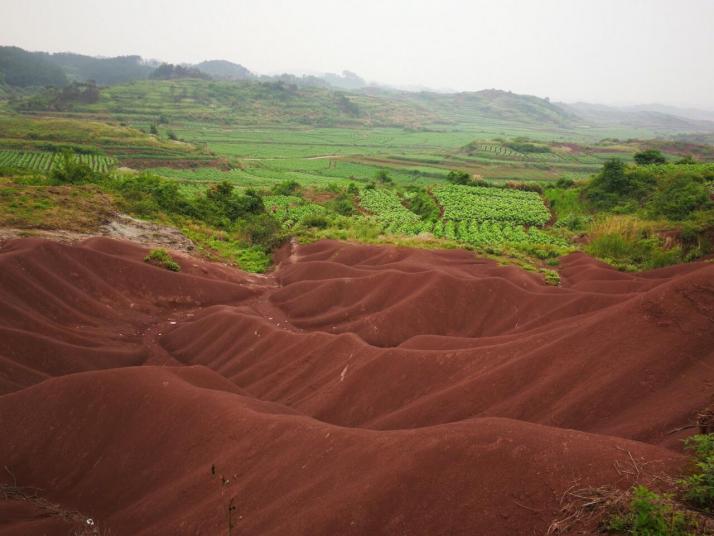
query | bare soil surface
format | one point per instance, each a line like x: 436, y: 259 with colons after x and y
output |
x: 119, y: 226
x: 355, y: 390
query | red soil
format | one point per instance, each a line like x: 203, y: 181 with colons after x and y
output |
x: 357, y: 390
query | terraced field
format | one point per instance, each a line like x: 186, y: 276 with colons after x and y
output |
x: 45, y: 161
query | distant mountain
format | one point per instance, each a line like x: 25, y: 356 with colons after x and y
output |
x: 168, y: 71
x: 104, y: 71
x: 687, y: 113
x: 347, y: 80
x: 224, y: 70
x: 21, y: 68
x: 602, y: 115
x: 25, y: 69
x: 471, y: 106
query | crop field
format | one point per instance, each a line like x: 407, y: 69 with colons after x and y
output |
x: 474, y: 215
x: 45, y: 161
x: 387, y: 208
x: 491, y: 204
x: 493, y: 233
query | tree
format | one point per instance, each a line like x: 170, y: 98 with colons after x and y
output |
x: 648, y: 157
x: 458, y: 177
x: 612, y: 177
x: 383, y: 177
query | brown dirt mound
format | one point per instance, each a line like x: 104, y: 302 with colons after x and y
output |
x: 356, y: 390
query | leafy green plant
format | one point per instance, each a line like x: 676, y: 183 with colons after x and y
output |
x: 161, y: 257
x: 698, y: 488
x: 551, y: 277
x: 651, y: 514
x: 71, y: 169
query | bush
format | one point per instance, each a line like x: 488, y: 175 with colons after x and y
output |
x: 458, y: 177
x: 71, y: 170
x: 288, y: 187
x: 698, y: 488
x: 421, y: 203
x: 146, y: 194
x: 651, y: 514
x: 574, y: 222
x: 383, y: 177
x: 318, y: 222
x: 525, y: 187
x: 161, y: 257
x: 678, y: 196
x: 650, y: 156
x: 551, y: 277
x: 262, y: 230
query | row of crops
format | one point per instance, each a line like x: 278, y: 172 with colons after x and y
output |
x: 289, y: 209
x: 389, y: 211
x: 496, y: 151
x: 45, y: 161
x: 482, y: 233
x: 475, y: 215
x: 491, y: 204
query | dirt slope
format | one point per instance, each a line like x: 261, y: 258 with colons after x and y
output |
x: 357, y: 390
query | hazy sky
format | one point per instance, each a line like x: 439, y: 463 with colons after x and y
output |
x: 609, y: 51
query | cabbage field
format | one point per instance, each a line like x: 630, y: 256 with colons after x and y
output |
x: 45, y: 161
x: 491, y: 204
x: 479, y: 216
x: 387, y: 208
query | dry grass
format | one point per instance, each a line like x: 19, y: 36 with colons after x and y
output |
x: 585, y: 510
x: 628, y: 227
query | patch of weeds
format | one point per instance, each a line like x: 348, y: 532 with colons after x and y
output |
x: 651, y: 514
x: 220, y: 246
x: 161, y: 257
x: 698, y: 488
x: 551, y: 277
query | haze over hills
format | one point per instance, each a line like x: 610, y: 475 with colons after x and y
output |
x: 20, y: 68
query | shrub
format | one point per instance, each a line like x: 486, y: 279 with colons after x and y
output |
x: 383, y: 177
x: 458, y: 177
x: 698, y: 488
x: 678, y: 196
x: 551, y: 277
x: 525, y: 187
x: 342, y: 204
x: 146, y: 194
x: 421, y: 203
x: 650, y: 156
x: 288, y: 187
x: 574, y: 222
x: 318, y: 222
x: 262, y: 230
x: 161, y: 257
x: 651, y: 514
x: 71, y: 170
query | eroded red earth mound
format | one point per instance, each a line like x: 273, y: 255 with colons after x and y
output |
x: 356, y: 390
